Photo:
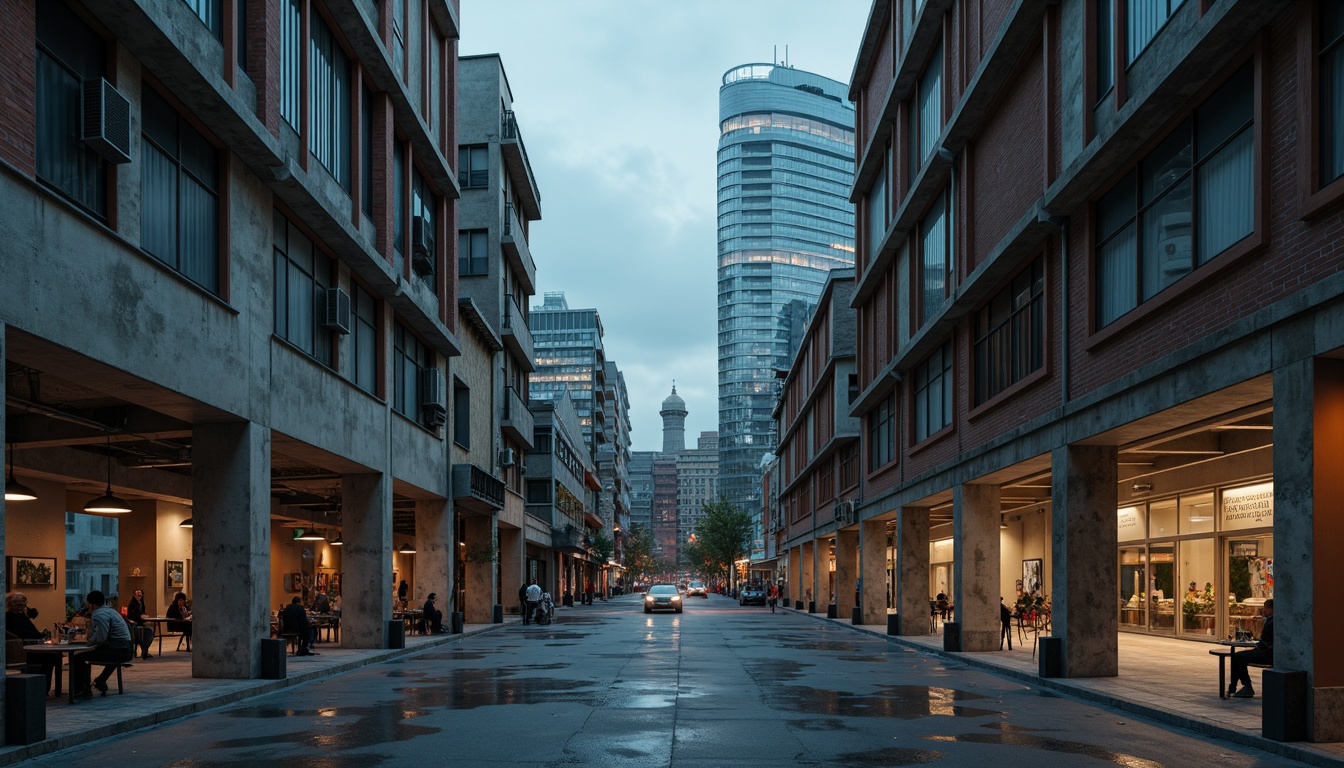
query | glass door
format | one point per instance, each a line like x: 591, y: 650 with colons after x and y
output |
x: 1162, y: 588
x: 1250, y: 581
x: 1133, y: 575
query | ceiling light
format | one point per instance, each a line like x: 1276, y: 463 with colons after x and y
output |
x: 14, y: 490
x: 309, y: 534
x: 107, y: 503
x: 1141, y: 487
x: 336, y: 542
x: 185, y: 523
x: 407, y: 549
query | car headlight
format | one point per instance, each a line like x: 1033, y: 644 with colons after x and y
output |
x: 648, y: 598
x: 676, y: 597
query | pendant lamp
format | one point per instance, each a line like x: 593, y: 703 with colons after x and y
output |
x: 107, y: 503
x: 14, y: 490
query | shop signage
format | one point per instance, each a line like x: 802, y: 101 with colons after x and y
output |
x: 1251, y: 506
x: 1129, y: 524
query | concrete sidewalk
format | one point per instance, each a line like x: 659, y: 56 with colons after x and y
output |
x: 1174, y: 682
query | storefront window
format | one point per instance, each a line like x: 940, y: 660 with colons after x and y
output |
x: 1197, y: 513
x: 1129, y: 525
x: 1162, y: 518
x: 1250, y: 581
x: 1198, y: 606
x: 1132, y: 578
x: 1162, y: 587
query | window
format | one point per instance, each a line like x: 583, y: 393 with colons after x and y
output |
x: 472, y: 252
x: 461, y: 413
x: 933, y: 393
x: 541, y: 437
x: 926, y: 113
x: 882, y: 434
x: 409, y: 357
x: 366, y: 149
x: 1332, y: 91
x: 291, y: 58
x: 877, y: 213
x: 1144, y: 19
x: 398, y: 10
x: 423, y: 206
x: 473, y: 167
x: 302, y: 277
x: 364, y: 340
x: 329, y: 104
x: 68, y: 52
x: 1010, y: 334
x: 179, y: 211
x: 538, y: 491
x: 849, y: 466
x: 208, y: 11
x: 1105, y: 10
x: 399, y: 204
x: 935, y: 262
x: 1189, y: 200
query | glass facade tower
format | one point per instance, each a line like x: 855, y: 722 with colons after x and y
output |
x: 570, y: 358
x: 786, y: 165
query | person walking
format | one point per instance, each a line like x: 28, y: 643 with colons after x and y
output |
x: 522, y: 603
x: 533, y: 597
x: 772, y: 597
x: 1006, y: 618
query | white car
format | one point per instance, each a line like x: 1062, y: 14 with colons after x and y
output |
x: 697, y: 588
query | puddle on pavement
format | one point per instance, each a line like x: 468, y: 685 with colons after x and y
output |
x: 841, y: 647
x: 889, y: 756
x: 463, y: 689
x: 775, y: 671
x: 820, y: 724
x: 341, y: 729
x: 901, y: 702
x: 1047, y: 744
x: 558, y: 636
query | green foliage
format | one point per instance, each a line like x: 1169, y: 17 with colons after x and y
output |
x: 721, y: 538
x: 639, y: 561
x: 603, y: 547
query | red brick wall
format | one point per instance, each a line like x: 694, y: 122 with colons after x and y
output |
x: 383, y: 146
x: 18, y: 86
x: 263, y: 59
x: 879, y: 81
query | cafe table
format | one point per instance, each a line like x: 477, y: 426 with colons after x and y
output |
x: 60, y: 649
x: 160, y: 622
x: 1223, y: 656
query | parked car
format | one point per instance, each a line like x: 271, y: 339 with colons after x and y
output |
x: 697, y: 589
x: 752, y: 594
x: 662, y: 597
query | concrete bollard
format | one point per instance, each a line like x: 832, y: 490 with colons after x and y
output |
x: 951, y: 636
x: 832, y: 612
x: 272, y: 652
x: 857, y: 616
x: 1052, y: 656
x: 396, y: 634
x: 25, y: 708
x: 1285, y: 705
x: 497, y: 615
x: 893, y: 623
x: 457, y: 624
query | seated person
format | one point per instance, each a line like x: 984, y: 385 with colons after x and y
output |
x: 433, y: 616
x: 321, y: 603
x: 1262, y: 653
x: 294, y: 621
x: 943, y: 606
x: 19, y: 623
x: 135, y: 616
x: 111, y: 640
x: 181, y: 615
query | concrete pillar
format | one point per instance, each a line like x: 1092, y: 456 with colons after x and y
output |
x: 4, y: 382
x: 366, y: 589
x: 479, y: 579
x: 846, y: 571
x: 975, y: 555
x: 795, y: 583
x: 512, y: 566
x: 1308, y: 547
x: 433, y: 554
x: 1084, y: 559
x: 912, y: 570
x: 230, y: 548
x: 807, y: 586
x: 873, y: 571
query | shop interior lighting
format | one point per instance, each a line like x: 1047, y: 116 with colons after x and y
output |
x: 406, y: 549
x: 185, y: 523
x: 107, y: 503
x: 14, y: 490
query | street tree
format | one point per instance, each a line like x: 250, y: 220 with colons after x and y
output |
x: 639, y: 560
x: 721, y: 538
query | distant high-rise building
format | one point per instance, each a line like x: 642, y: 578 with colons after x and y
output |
x: 786, y: 165
x: 674, y: 423
x: 664, y: 527
x: 641, y: 489
x: 697, y: 483
x: 569, y: 357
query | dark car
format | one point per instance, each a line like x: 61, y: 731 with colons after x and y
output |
x: 662, y: 597
x: 753, y: 594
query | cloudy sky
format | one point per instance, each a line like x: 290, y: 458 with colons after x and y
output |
x: 617, y: 102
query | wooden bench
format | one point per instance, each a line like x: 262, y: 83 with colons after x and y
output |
x: 1223, y: 656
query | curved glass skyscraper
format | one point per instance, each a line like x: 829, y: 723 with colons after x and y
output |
x: 786, y: 163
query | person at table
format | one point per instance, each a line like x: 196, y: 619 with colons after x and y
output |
x: 1262, y: 653
x: 1006, y: 619
x: 322, y: 603
x: 433, y: 616
x: 294, y: 621
x: 181, y: 616
x: 110, y: 638
x: 140, y: 631
x: 19, y: 623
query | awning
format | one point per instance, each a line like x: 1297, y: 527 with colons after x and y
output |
x: 590, y: 480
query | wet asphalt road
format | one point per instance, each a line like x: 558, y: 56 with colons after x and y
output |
x: 720, y: 685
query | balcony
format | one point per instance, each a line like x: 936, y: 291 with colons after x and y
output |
x: 569, y: 538
x: 517, y: 420
x: 517, y: 166
x: 476, y: 491
x: 516, y: 250
x: 517, y: 336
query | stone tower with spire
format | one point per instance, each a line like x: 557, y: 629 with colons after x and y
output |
x: 674, y: 423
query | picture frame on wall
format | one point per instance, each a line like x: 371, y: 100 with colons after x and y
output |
x: 175, y: 573
x: 1033, y: 572
x: 30, y: 572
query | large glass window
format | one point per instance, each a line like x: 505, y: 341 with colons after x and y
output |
x: 398, y: 11
x: 882, y: 433
x: 364, y: 340
x: 302, y: 277
x: 1145, y: 18
x: 68, y: 52
x: 472, y: 252
x: 423, y: 207
x: 1105, y: 11
x: 935, y: 263
x: 1199, y: 612
x: 877, y: 213
x: 329, y: 104
x: 926, y: 113
x: 410, y: 356
x: 1010, y: 334
x: 933, y: 393
x: 1189, y: 200
x: 473, y: 167
x: 209, y: 12
x: 461, y: 414
x: 366, y: 149
x: 179, y: 177
x: 291, y: 60
x: 398, y: 205
x: 1331, y: 50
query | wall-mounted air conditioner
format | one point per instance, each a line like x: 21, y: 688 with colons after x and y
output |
x: 422, y: 246
x: 105, y: 120
x: 336, y: 311
x: 506, y: 457
x: 431, y: 398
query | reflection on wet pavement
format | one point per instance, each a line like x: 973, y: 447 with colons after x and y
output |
x: 889, y: 756
x: 1052, y: 745
x: 903, y: 702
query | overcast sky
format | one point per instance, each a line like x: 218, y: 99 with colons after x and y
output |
x: 617, y: 103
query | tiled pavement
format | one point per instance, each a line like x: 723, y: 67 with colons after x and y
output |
x: 1171, y: 681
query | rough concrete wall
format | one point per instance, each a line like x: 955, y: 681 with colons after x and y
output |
x: 912, y: 570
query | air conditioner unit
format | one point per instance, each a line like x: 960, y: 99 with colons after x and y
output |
x: 431, y: 398
x: 506, y: 457
x: 336, y: 311
x: 105, y: 120
x: 422, y: 246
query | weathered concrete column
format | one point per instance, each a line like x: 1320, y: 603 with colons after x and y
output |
x: 1084, y: 559
x: 1308, y: 547
x: 912, y: 569
x: 975, y: 547
x: 512, y: 566
x: 230, y: 548
x: 434, y: 554
x: 808, y: 585
x: 873, y: 571
x: 4, y: 381
x: 795, y: 585
x: 479, y: 579
x: 366, y: 589
x: 846, y: 571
